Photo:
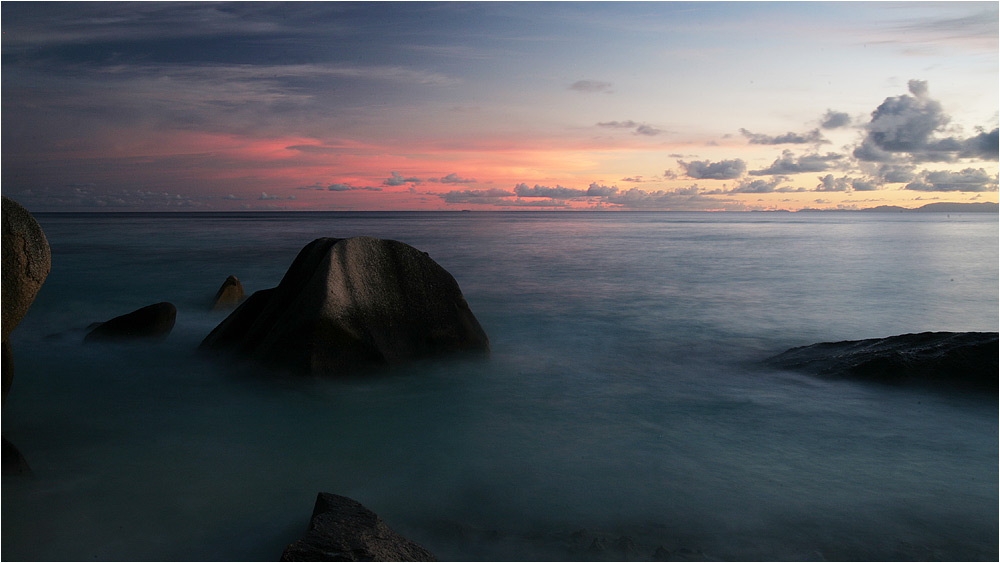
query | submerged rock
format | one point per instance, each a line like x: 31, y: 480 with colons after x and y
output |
x: 342, y: 529
x: 347, y: 305
x: 150, y: 322
x: 229, y: 295
x: 960, y: 359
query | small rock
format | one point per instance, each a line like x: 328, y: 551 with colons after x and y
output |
x: 343, y: 530
x: 150, y: 322
x: 661, y: 554
x: 229, y: 295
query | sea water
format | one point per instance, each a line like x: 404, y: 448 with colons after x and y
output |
x: 623, y: 405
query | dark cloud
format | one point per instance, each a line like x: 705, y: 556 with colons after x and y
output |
x: 984, y: 146
x: 787, y: 163
x: 906, y: 123
x: 757, y: 186
x: 632, y: 179
x: 968, y: 180
x: 596, y: 189
x: 399, y: 180
x: 813, y: 136
x: 722, y: 170
x: 348, y: 188
x: 453, y: 179
x: 590, y: 86
x: 558, y: 192
x: 834, y: 119
x: 490, y: 196
x: 830, y: 184
x: 895, y: 173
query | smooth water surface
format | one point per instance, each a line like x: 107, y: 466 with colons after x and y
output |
x: 623, y: 397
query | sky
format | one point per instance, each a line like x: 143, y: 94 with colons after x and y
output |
x: 148, y: 106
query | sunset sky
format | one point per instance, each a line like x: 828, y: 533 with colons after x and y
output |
x: 497, y: 105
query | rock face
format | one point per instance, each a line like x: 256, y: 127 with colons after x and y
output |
x: 348, y: 305
x: 960, y: 359
x: 150, y: 322
x: 26, y: 261
x: 229, y: 295
x: 13, y: 462
x: 343, y: 530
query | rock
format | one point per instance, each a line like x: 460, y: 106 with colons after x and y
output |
x: 13, y: 462
x: 150, y: 322
x: 348, y: 305
x: 229, y: 295
x: 661, y: 554
x: 26, y: 262
x: 343, y: 530
x: 958, y: 359
x: 625, y: 549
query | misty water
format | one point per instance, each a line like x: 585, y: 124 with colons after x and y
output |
x: 623, y: 397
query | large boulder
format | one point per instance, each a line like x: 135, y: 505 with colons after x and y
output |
x: 959, y: 359
x: 347, y: 305
x: 230, y: 294
x: 342, y: 529
x: 26, y: 261
x: 150, y: 322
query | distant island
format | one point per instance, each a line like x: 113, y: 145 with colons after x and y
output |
x: 941, y: 207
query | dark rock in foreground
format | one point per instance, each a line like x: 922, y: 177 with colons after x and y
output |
x: 347, y: 305
x: 150, y: 322
x: 958, y: 359
x: 26, y: 261
x: 229, y: 295
x: 13, y: 462
x: 343, y: 530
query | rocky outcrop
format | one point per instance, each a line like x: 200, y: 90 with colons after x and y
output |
x: 150, y: 322
x: 349, y: 305
x: 26, y: 261
x: 229, y: 295
x: 959, y: 359
x: 342, y: 529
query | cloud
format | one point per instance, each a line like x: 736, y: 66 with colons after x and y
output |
x: 590, y: 86
x: 640, y: 128
x: 813, y: 136
x: 631, y: 179
x: 453, y: 179
x: 722, y: 170
x: 984, y: 145
x: 968, y: 180
x: 895, y: 173
x: 348, y: 187
x: 596, y: 189
x: 558, y: 192
x: 906, y: 123
x: 490, y: 196
x: 834, y: 119
x: 264, y: 196
x: 399, y: 180
x: 788, y: 164
x: 757, y: 186
x: 830, y: 184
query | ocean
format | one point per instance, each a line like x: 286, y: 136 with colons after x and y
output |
x: 624, y: 407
